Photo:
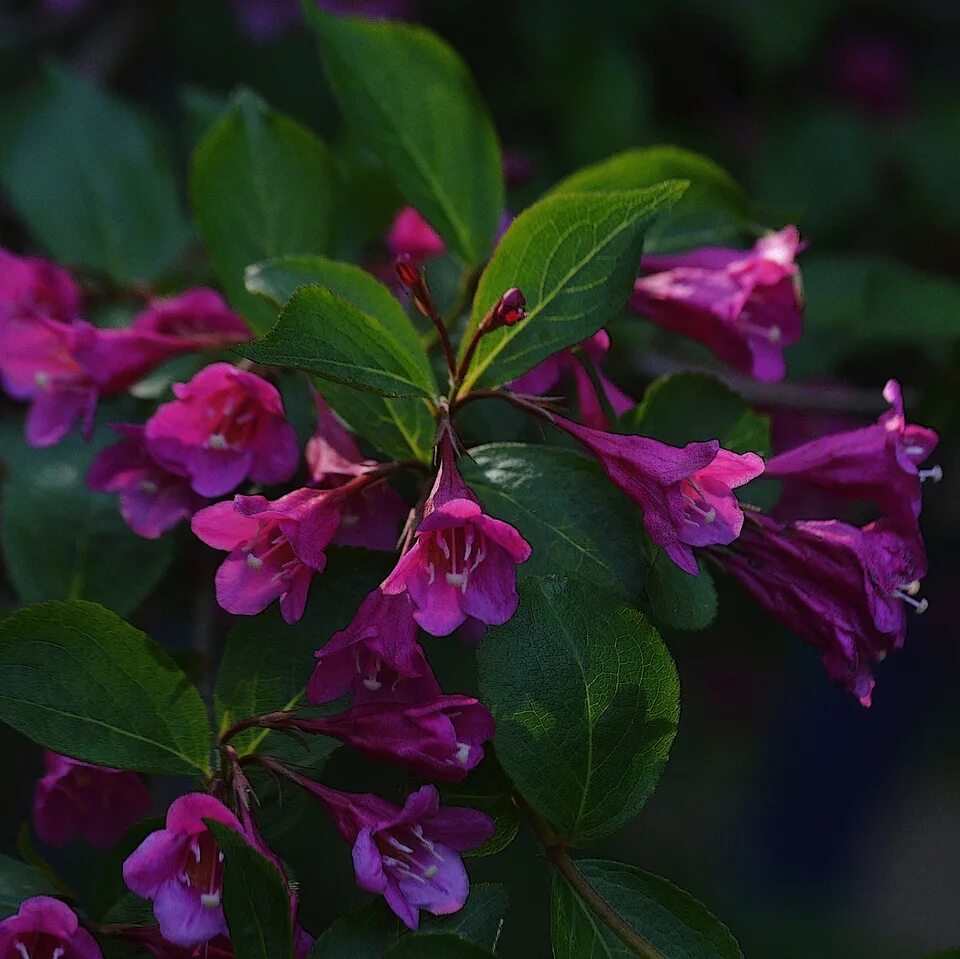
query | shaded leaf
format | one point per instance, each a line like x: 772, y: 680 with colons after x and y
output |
x: 18, y: 881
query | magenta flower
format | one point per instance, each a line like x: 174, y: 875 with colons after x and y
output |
x: 77, y: 799
x: 197, y: 319
x: 463, y: 562
x: 413, y: 236
x: 842, y: 589
x: 745, y: 305
x: 440, y: 738
x: 45, y: 928
x: 879, y: 463
x: 31, y: 287
x: 376, y: 658
x: 275, y: 548
x: 180, y: 868
x: 686, y: 494
x: 410, y: 856
x: 226, y: 425
x: 152, y: 499
x: 545, y: 377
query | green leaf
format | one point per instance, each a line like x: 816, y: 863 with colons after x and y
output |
x: 325, y: 334
x: 669, y: 919
x: 77, y: 679
x: 18, y: 881
x: 712, y: 211
x: 575, y: 257
x: 675, y: 598
x: 426, y: 946
x: 402, y: 428
x: 266, y: 663
x: 577, y: 522
x: 410, y: 97
x: 84, y: 172
x: 62, y: 540
x: 255, y: 900
x: 488, y: 790
x: 586, y: 700
x: 261, y: 186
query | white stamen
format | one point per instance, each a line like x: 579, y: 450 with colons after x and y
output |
x: 444, y: 546
x: 709, y: 515
x: 771, y: 333
x: 58, y: 953
x: 148, y: 487
x: 935, y: 474
x: 41, y: 380
x: 913, y: 450
x: 254, y: 562
x: 458, y: 580
x: 399, y: 845
x: 240, y: 420
x: 371, y: 683
x: 463, y: 753
x: 468, y: 540
x: 433, y: 574
x: 216, y: 441
x: 919, y: 605
x: 430, y: 872
x: 196, y: 851
x: 220, y: 856
x: 210, y: 900
x: 22, y: 949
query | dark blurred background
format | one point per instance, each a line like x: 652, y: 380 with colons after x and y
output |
x: 812, y: 826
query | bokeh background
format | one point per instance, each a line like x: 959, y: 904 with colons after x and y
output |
x: 812, y: 826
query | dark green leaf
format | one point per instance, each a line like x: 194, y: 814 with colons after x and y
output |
x: 325, y: 334
x: 409, y: 96
x: 18, y: 881
x: 669, y: 919
x: 675, y: 598
x: 575, y: 257
x: 712, y: 211
x: 479, y: 921
x: 487, y: 789
x: 85, y: 174
x: 426, y: 946
x: 586, y: 700
x: 255, y: 900
x: 77, y: 679
x: 261, y: 186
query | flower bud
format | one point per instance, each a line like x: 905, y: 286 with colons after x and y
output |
x: 508, y: 310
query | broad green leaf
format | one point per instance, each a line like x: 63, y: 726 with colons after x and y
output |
x: 261, y: 186
x: 411, y: 99
x: 84, y: 172
x: 325, y: 334
x: 487, y: 789
x: 62, y: 540
x: 255, y: 900
x: 675, y: 598
x: 586, y: 700
x: 18, y: 881
x: 671, y: 920
x: 267, y: 662
x: 426, y: 946
x: 712, y: 211
x: 577, y: 522
x: 575, y: 257
x: 401, y: 427
x: 77, y: 679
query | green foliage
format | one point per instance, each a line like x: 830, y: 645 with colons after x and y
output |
x: 669, y: 919
x: 586, y: 700
x: 255, y: 900
x: 675, y: 598
x: 77, y: 679
x: 575, y: 258
x: 261, y: 186
x: 489, y: 790
x: 411, y: 99
x: 712, y: 211
x: 18, y: 881
x: 436, y: 947
x: 85, y: 173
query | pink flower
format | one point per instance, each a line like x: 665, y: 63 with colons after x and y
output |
x: 463, y: 562
x: 746, y: 306
x: 226, y: 425
x: 376, y: 658
x: 413, y: 236
x: 410, y: 856
x: 152, y: 499
x: 197, y: 319
x: 77, y: 799
x: 548, y: 374
x: 275, y: 548
x: 686, y: 494
x: 180, y: 868
x: 878, y: 463
x: 842, y: 589
x: 440, y: 738
x: 43, y: 928
x: 30, y: 286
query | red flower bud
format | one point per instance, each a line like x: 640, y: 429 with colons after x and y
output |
x: 408, y: 271
x: 509, y: 309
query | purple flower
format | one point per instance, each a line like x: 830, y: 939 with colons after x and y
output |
x: 46, y: 928
x: 745, y: 305
x: 152, y: 499
x: 197, y: 319
x: 31, y: 287
x: 266, y: 21
x: 226, y: 425
x: 275, y: 548
x: 440, y: 738
x: 413, y: 236
x: 878, y: 463
x: 548, y: 374
x: 842, y: 589
x: 180, y: 868
x: 77, y: 799
x: 686, y: 494
x: 376, y: 658
x: 410, y: 856
x: 463, y: 562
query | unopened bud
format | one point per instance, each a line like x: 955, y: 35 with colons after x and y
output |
x: 509, y: 309
x: 407, y: 271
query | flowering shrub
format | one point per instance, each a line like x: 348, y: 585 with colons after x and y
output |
x: 324, y: 431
